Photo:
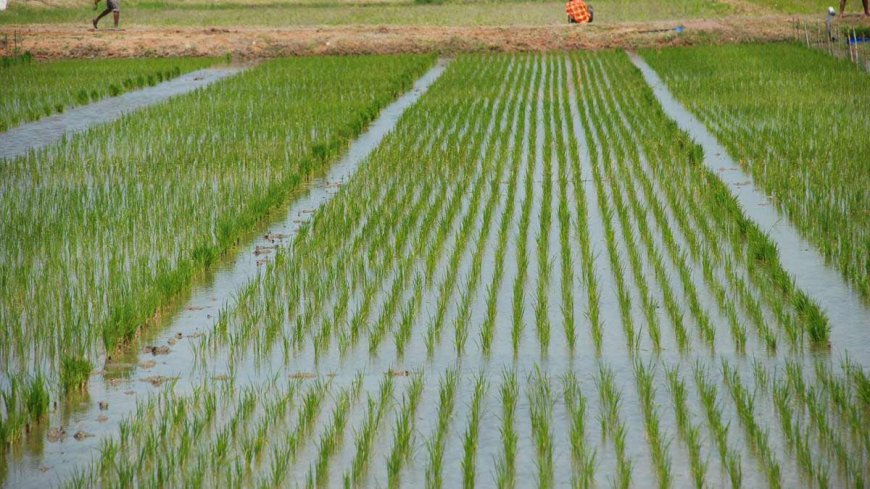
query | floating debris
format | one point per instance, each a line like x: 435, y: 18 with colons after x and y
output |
x: 56, y: 434
x: 264, y: 250
x: 81, y: 435
x: 157, y: 380
x: 275, y: 236
x: 157, y: 350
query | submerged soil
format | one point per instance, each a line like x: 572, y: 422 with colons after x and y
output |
x: 78, y: 41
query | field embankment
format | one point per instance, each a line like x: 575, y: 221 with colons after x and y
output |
x: 66, y: 41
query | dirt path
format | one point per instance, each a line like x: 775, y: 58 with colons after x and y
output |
x: 77, y: 41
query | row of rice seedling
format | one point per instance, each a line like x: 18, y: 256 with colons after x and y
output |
x: 775, y: 108
x: 403, y: 251
x: 34, y: 89
x: 360, y: 427
x: 103, y: 230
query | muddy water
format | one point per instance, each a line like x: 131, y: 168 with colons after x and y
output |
x: 123, y: 382
x: 849, y: 315
x: 22, y: 139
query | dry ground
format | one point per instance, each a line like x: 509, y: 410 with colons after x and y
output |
x: 64, y: 40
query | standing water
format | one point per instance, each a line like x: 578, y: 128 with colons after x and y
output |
x: 124, y: 382
x: 20, y: 140
x: 849, y: 316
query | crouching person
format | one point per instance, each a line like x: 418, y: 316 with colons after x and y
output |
x: 578, y: 12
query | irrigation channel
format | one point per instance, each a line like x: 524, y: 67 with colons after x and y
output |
x: 848, y: 312
x: 532, y: 281
x: 22, y: 139
x: 124, y: 382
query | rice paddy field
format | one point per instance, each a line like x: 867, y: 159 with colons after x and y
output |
x: 533, y: 280
x: 101, y: 231
x: 777, y: 111
x: 32, y: 90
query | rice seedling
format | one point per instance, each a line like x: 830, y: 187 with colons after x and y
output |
x: 403, y: 431
x: 659, y: 446
x: 482, y: 212
x: 541, y: 414
x: 506, y: 465
x: 812, y: 166
x: 689, y: 432
x: 436, y: 444
x: 125, y: 252
x: 35, y: 89
x: 472, y: 434
x: 582, y: 456
x: 717, y: 426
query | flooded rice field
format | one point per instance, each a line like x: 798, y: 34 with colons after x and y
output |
x: 44, y: 132
x: 524, y: 273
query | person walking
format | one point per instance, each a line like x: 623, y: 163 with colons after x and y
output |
x: 111, y: 6
x: 866, y: 7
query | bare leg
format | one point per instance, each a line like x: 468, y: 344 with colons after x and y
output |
x: 118, y: 16
x: 843, y: 6
x: 866, y: 7
x: 102, y: 14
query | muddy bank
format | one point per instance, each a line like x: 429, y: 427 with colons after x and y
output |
x: 77, y: 41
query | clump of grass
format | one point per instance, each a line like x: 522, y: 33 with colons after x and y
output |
x: 74, y: 373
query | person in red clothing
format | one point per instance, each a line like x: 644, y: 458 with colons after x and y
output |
x: 578, y: 12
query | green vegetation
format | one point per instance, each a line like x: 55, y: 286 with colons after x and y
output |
x: 293, y: 13
x: 38, y: 89
x: 794, y: 118
x: 808, y: 6
x: 443, y: 302
x: 120, y: 219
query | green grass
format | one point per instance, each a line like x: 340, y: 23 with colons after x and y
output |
x: 283, y: 14
x: 39, y: 89
x: 808, y: 6
x: 794, y: 119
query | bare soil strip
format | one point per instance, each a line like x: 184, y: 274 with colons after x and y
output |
x: 78, y: 41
